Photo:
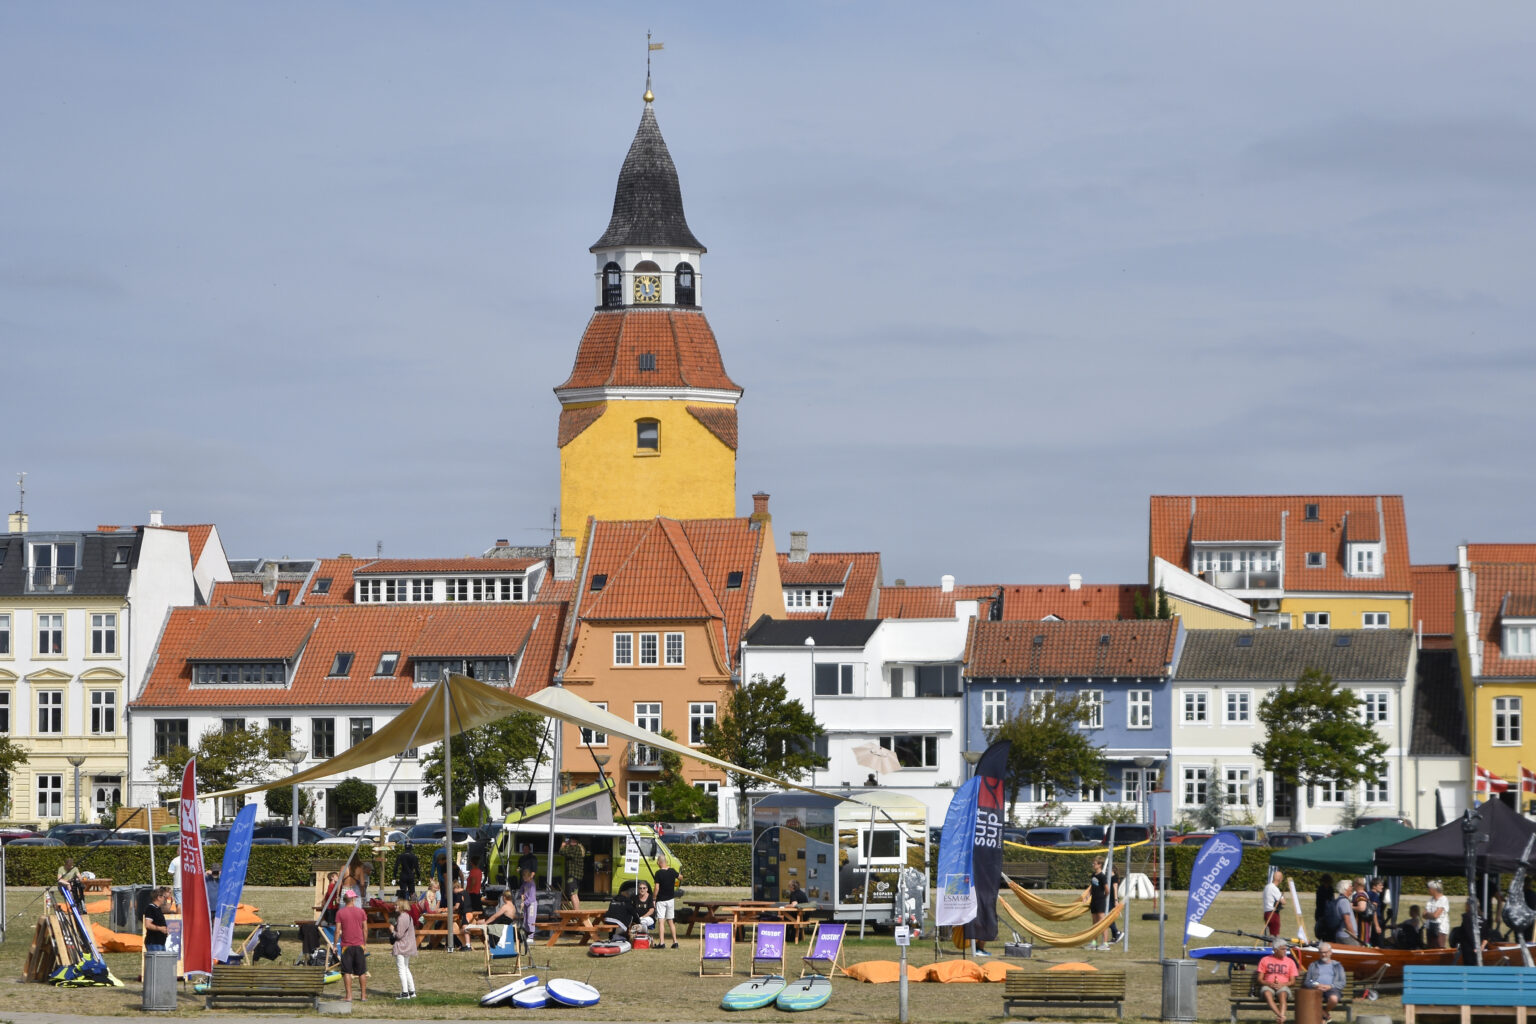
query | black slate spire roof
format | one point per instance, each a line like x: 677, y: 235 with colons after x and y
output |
x: 648, y: 204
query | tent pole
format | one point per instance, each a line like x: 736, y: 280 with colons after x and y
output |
x: 869, y: 851
x: 554, y: 800
x: 448, y: 811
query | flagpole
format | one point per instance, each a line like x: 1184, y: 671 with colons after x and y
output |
x: 448, y: 810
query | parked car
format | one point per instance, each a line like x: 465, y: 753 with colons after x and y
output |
x: 1056, y: 835
x: 1286, y: 840
x: 284, y: 833
x: 36, y: 841
x: 9, y: 835
x: 60, y: 831
x: 706, y: 835
x: 86, y: 837
x: 1371, y: 819
x: 430, y: 831
x: 1126, y: 833
x: 740, y: 835
x: 1251, y: 835
x: 1191, y: 837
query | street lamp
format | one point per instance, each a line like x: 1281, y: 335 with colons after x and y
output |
x: 295, y: 758
x: 77, y: 760
x: 972, y: 758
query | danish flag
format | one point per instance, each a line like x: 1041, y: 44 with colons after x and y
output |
x: 1487, y: 782
x: 1527, y: 780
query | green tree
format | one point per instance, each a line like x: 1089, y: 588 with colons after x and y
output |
x: 1050, y: 749
x: 494, y: 757
x: 225, y: 760
x: 1164, y: 608
x: 352, y: 797
x: 1213, y: 811
x: 473, y: 815
x: 279, y: 802
x: 1314, y: 734
x: 12, y: 756
x: 762, y: 729
x: 673, y: 797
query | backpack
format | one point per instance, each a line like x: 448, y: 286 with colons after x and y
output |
x: 1332, y: 919
x: 267, y: 947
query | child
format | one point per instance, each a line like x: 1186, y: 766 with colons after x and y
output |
x: 404, y: 948
x: 1410, y: 934
x: 528, y: 901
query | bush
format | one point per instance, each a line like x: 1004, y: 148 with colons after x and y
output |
x: 129, y: 865
x: 714, y: 863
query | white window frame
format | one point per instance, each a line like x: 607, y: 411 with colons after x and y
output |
x: 103, y: 789
x: 1138, y: 709
x: 994, y: 708
x: 50, y: 712
x: 1366, y: 560
x: 1135, y: 784
x: 1378, y: 791
x: 1039, y: 700
x: 1238, y: 785
x: 50, y: 634
x: 649, y: 654
x: 1093, y: 713
x: 638, y: 797
x: 1376, y: 706
x: 1093, y: 794
x: 1196, y: 786
x: 1317, y: 620
x: 1331, y: 794
x: 1317, y: 560
x: 1519, y: 642
x: 1237, y: 707
x: 623, y: 649
x: 672, y: 648
x: 593, y: 737
x: 1375, y: 620
x: 104, y: 634
x: 701, y: 715
x: 5, y: 634
x: 928, y: 744
x: 103, y: 712
x: 1508, y: 714
x: 45, y: 786
x: 1196, y: 707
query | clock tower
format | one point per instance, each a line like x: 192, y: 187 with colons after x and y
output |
x: 648, y: 414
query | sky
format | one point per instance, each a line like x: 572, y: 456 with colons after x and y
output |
x: 990, y: 274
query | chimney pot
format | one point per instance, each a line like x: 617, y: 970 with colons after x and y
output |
x: 268, y: 579
x: 1075, y: 581
x: 156, y: 517
x: 502, y: 542
x: 899, y: 583
x: 799, y: 546
x: 947, y: 583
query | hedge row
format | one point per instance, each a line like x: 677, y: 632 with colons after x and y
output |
x: 714, y: 863
x: 129, y: 865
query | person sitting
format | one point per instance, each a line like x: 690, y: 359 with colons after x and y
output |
x: 1327, y: 976
x: 645, y: 907
x: 796, y: 895
x: 1277, y: 973
x: 1410, y: 934
x: 621, y: 911
x: 503, y: 916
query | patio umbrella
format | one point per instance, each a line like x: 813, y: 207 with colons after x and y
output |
x: 882, y: 760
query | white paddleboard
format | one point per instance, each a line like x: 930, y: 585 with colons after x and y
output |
x: 504, y: 994
x: 535, y: 998
x: 572, y: 993
x: 754, y: 994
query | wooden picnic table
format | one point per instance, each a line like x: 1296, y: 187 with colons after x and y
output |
x: 587, y: 923
x: 743, y: 914
x: 433, y: 930
x: 96, y: 886
x: 706, y: 911
x: 382, y: 921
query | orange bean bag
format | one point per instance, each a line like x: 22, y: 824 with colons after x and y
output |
x: 955, y: 971
x: 245, y: 913
x: 996, y: 970
x: 1073, y: 965
x: 99, y: 907
x: 880, y: 972
x: 115, y: 942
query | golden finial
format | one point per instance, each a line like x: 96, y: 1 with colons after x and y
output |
x: 650, y: 48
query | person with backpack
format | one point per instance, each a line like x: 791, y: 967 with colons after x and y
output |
x: 1341, y: 917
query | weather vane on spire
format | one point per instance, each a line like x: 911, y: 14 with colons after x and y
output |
x: 650, y: 48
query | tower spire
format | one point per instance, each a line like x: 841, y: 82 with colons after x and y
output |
x: 650, y: 48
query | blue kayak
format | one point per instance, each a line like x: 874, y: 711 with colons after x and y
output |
x: 1230, y: 954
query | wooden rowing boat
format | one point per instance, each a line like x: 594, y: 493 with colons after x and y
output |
x: 1363, y: 961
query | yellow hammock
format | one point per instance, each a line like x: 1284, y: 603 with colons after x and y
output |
x: 1048, y: 909
x: 1056, y: 938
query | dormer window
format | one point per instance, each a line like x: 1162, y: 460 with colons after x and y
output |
x: 683, y: 284
x: 1365, y: 559
x: 613, y: 286
x: 1519, y: 641
x: 809, y: 597
x: 648, y: 435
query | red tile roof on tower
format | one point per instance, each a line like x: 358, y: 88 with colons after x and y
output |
x: 718, y: 420
x: 934, y: 602
x: 1505, y: 586
x: 680, y: 342
x: 309, y: 640
x: 1059, y: 650
x: 1090, y: 601
x: 1177, y: 522
x: 857, y: 572
x: 574, y: 421
x: 1434, y: 604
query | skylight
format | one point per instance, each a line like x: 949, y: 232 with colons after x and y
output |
x: 599, y: 581
x: 342, y: 666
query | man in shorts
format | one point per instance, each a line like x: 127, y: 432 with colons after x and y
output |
x: 351, y: 936
x: 1273, y: 902
x: 666, y: 901
x: 1277, y: 973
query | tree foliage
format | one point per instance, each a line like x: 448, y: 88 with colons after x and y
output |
x: 279, y: 801
x: 225, y: 760
x: 1050, y: 748
x: 493, y: 757
x: 1314, y: 733
x: 762, y: 729
x: 12, y: 756
x: 673, y: 797
x: 352, y: 797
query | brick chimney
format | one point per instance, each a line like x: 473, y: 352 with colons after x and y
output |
x: 760, y: 513
x: 565, y: 558
x: 799, y: 546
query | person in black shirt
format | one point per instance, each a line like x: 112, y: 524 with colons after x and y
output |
x: 667, y: 878
x: 1097, y: 896
x: 156, y: 931
x: 407, y: 871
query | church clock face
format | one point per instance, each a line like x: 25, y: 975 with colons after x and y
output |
x: 647, y: 288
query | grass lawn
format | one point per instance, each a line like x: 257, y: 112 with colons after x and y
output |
x: 664, y: 985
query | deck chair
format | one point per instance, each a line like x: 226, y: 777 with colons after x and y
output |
x: 768, y: 947
x: 717, y: 948
x: 510, y: 956
x: 826, y: 949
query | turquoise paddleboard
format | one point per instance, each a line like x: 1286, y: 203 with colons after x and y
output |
x: 809, y: 993
x: 754, y: 994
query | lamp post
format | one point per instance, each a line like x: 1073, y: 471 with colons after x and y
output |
x: 972, y: 758
x: 295, y: 758
x: 810, y: 648
x: 77, y: 760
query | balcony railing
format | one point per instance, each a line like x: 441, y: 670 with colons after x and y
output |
x: 643, y: 757
x: 1254, y: 579
x: 43, y: 580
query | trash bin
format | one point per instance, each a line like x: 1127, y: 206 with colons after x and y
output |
x: 159, y: 980
x: 1179, y: 977
x: 1309, y: 1006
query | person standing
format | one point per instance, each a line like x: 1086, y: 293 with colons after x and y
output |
x: 407, y: 871
x: 1097, y: 897
x: 1274, y: 901
x: 473, y: 883
x: 667, y: 878
x: 528, y: 901
x: 1327, y: 975
x: 1345, y: 912
x: 404, y: 947
x: 1277, y: 973
x: 1437, y: 917
x: 174, y: 867
x: 352, y: 936
x: 156, y: 931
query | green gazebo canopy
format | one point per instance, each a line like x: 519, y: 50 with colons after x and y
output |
x: 1352, y: 851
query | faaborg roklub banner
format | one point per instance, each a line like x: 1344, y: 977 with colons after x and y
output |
x: 971, y: 849
x: 1214, y: 864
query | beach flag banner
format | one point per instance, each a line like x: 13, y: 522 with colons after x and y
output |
x: 971, y: 848
x: 1487, y: 782
x: 237, y: 859
x: 1218, y: 858
x: 197, y: 948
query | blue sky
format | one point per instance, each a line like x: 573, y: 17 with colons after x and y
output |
x: 990, y: 274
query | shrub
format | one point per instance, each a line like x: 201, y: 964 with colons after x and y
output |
x: 714, y: 863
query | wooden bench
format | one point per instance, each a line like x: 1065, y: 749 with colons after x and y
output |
x: 265, y: 983
x: 1028, y: 872
x: 1101, y: 989
x: 1245, y: 994
x: 1466, y: 992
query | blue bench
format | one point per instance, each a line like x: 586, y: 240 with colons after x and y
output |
x: 1468, y: 991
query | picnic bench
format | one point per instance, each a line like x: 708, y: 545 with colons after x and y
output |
x: 1099, y: 989
x: 1245, y: 994
x: 1028, y: 872
x: 1466, y: 992
x: 588, y: 924
x: 96, y: 886
x: 265, y: 983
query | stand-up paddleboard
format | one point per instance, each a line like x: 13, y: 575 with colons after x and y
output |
x: 535, y: 998
x: 572, y: 993
x: 1230, y: 954
x: 809, y: 993
x: 497, y: 997
x: 754, y: 994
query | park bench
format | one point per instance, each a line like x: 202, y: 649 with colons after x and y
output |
x: 1468, y: 992
x: 265, y: 983
x: 1100, y: 989
x: 1245, y: 994
x: 1028, y: 873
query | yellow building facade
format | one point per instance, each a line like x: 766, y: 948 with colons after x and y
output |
x: 1496, y: 648
x: 1347, y: 611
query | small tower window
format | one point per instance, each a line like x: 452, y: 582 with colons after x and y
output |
x: 648, y: 435
x: 683, y: 285
x: 613, y: 285
x: 647, y: 362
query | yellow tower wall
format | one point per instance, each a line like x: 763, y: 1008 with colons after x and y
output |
x: 692, y: 475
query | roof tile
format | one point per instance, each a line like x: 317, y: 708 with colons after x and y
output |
x: 1059, y: 650
x: 681, y: 342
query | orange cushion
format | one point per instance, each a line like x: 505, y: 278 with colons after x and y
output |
x: 952, y: 971
x: 115, y: 942
x: 1073, y: 965
x: 881, y: 971
x: 99, y: 907
x: 996, y: 970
